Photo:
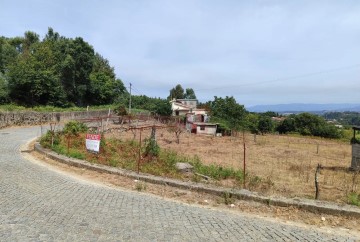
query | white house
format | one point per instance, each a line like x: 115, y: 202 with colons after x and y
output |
x: 181, y: 107
x: 197, y: 120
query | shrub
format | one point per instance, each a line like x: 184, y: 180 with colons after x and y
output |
x: 152, y: 149
x: 120, y: 110
x: 74, y: 128
x: 50, y: 139
x: 228, y: 198
x: 59, y: 149
x: 140, y: 186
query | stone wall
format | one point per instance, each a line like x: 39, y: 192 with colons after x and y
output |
x: 35, y: 118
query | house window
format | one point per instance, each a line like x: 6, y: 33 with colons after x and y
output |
x: 202, y: 127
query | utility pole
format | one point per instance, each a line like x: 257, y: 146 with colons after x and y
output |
x: 130, y: 100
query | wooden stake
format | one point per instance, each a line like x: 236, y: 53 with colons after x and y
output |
x: 317, y: 189
x: 244, y: 166
x: 138, y: 164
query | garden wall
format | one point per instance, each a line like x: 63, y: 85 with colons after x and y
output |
x: 35, y: 118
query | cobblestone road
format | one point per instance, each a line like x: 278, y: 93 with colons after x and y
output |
x: 37, y: 204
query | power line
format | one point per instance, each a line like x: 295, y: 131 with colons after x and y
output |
x: 134, y: 90
x: 137, y: 91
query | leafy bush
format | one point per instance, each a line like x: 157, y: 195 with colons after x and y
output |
x: 50, y: 139
x: 152, y: 149
x: 59, y: 149
x: 309, y: 124
x: 120, y: 110
x: 74, y: 128
x: 163, y: 108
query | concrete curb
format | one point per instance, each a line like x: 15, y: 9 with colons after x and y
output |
x: 301, y: 203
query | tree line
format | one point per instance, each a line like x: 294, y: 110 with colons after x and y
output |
x: 63, y: 72
x: 344, y: 118
x: 232, y: 116
x: 55, y: 71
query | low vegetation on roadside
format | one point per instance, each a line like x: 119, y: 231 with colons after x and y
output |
x: 354, y: 198
x: 153, y: 160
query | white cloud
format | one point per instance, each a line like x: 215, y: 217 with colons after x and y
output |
x: 218, y: 45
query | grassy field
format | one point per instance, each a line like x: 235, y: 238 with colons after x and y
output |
x: 275, y: 164
x: 286, y: 164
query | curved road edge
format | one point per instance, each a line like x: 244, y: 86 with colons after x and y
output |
x: 305, y: 204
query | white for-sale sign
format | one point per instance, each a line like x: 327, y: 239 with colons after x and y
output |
x: 93, y: 142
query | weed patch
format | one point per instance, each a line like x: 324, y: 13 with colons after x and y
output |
x: 354, y: 199
x: 140, y: 186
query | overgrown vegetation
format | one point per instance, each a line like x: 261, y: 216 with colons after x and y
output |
x: 151, y: 148
x: 14, y: 107
x: 125, y: 154
x: 154, y: 105
x: 228, y: 112
x: 216, y: 172
x: 344, y: 118
x: 309, y: 125
x: 74, y: 128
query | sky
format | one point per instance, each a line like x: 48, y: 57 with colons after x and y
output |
x: 259, y: 52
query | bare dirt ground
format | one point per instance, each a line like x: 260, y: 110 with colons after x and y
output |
x: 282, y: 215
x: 286, y: 164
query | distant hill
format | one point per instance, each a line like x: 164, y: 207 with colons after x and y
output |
x: 303, y: 107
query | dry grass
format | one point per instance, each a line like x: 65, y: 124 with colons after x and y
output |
x: 286, y: 161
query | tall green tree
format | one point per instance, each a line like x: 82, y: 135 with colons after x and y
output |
x: 163, y: 108
x: 287, y: 125
x: 83, y: 55
x: 265, y: 124
x: 4, y: 91
x: 189, y: 94
x: 104, y: 87
x: 56, y: 71
x: 176, y: 93
x: 309, y: 124
x: 33, y: 80
x: 8, y: 54
x: 29, y: 41
x: 228, y: 111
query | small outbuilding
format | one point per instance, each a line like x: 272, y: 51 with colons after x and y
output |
x: 206, y: 128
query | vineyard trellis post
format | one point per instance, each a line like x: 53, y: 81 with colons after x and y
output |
x: 317, y: 189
